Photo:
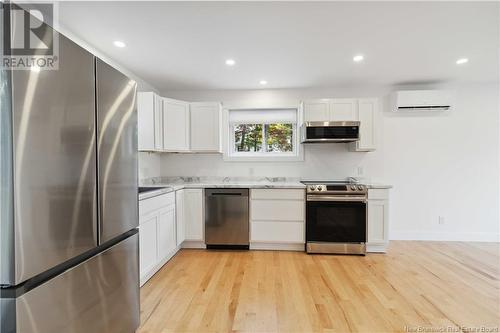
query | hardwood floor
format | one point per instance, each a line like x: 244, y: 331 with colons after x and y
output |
x: 426, y: 284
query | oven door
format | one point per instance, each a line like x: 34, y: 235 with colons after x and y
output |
x: 338, y: 221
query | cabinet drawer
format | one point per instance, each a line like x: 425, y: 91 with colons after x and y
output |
x: 278, y: 194
x: 150, y: 205
x: 378, y: 194
x: 282, y: 232
x: 277, y: 210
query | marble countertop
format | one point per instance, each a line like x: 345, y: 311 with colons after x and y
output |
x: 177, y: 183
x: 153, y: 193
x: 223, y: 182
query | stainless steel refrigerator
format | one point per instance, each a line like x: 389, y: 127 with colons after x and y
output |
x: 68, y: 197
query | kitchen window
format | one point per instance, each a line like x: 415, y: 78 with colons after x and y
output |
x: 263, y: 134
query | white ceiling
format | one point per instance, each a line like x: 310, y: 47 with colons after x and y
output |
x: 183, y: 46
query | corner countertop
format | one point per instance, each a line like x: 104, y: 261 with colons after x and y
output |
x: 153, y: 193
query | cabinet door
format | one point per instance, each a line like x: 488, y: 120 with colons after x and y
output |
x: 175, y: 125
x: 342, y: 109
x: 145, y: 121
x: 148, y: 249
x: 193, y: 213
x: 180, y: 219
x: 166, y: 232
x: 158, y: 123
x: 316, y: 110
x: 367, y: 113
x: 205, y: 129
x: 277, y: 232
x: 378, y: 219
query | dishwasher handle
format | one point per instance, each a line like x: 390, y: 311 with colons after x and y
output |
x: 235, y: 194
x: 212, y: 192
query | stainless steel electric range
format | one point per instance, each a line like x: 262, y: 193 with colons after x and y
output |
x: 336, y: 215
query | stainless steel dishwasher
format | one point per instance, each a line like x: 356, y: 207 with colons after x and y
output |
x: 226, y: 218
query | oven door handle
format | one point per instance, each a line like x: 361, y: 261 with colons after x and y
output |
x: 337, y: 198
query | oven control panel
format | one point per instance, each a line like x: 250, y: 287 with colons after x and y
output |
x: 348, y: 188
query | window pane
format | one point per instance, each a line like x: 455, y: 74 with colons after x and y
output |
x: 279, y: 138
x: 248, y: 137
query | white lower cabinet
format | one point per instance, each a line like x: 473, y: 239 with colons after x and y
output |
x: 277, y: 219
x: 166, y: 232
x: 378, y: 220
x: 193, y: 214
x: 157, y: 234
x: 148, y: 254
x: 180, y: 220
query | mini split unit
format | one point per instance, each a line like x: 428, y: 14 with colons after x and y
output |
x: 421, y: 100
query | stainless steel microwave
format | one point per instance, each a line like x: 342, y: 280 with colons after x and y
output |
x: 330, y: 131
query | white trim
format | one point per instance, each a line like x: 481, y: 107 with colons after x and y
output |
x: 228, y: 140
x: 275, y: 246
x: 376, y: 247
x: 446, y: 236
x: 265, y: 106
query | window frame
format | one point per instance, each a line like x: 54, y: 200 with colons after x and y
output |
x: 230, y: 153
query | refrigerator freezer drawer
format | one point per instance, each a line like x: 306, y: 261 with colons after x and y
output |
x: 99, y: 295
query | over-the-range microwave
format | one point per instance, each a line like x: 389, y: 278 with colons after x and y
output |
x: 330, y: 131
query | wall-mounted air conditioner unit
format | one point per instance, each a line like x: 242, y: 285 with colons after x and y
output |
x: 421, y: 100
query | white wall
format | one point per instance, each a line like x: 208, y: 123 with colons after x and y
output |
x: 443, y: 164
x: 141, y: 84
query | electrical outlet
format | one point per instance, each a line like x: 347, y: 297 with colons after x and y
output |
x: 360, y: 171
x: 441, y: 219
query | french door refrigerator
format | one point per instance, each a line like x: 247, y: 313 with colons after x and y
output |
x: 68, y: 197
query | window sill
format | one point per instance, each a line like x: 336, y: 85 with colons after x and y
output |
x: 264, y: 158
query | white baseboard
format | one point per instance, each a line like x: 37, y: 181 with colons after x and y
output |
x: 190, y: 244
x: 277, y: 246
x: 376, y: 248
x: 446, y: 236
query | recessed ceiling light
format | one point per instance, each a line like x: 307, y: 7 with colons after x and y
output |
x: 263, y: 82
x: 119, y: 43
x: 230, y: 62
x: 462, y: 61
x: 358, y: 58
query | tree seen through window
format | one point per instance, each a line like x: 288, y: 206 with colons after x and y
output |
x: 273, y: 138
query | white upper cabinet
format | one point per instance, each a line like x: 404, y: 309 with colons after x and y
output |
x: 338, y: 109
x: 318, y: 110
x: 149, y: 113
x: 364, y: 110
x: 175, y: 125
x: 158, y: 117
x: 343, y: 109
x: 367, y: 115
x: 205, y: 127
x: 169, y: 125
